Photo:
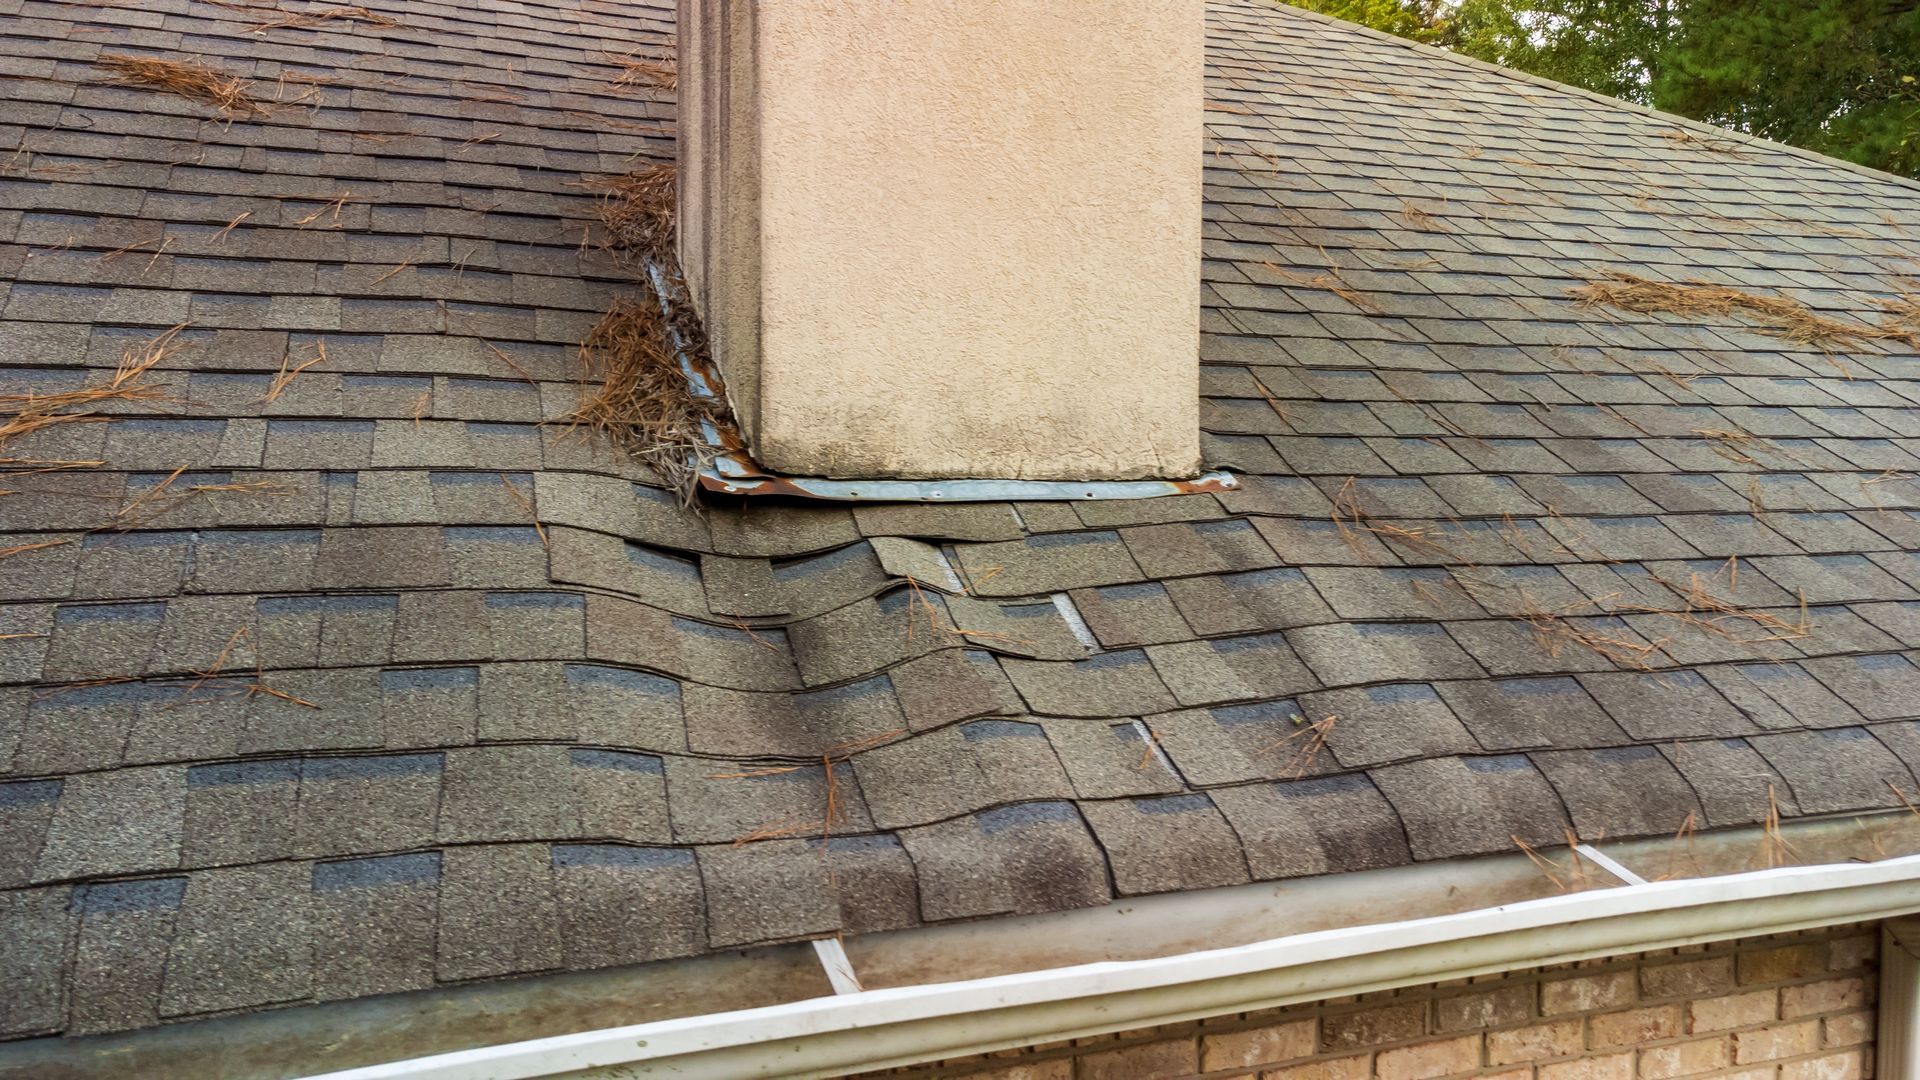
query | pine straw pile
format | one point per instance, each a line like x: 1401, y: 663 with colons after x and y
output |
x: 647, y: 73
x: 323, y: 16
x: 1776, y: 315
x: 635, y: 392
x: 643, y: 402
x: 637, y: 210
x: 195, y: 82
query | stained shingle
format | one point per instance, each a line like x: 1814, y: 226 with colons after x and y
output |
x: 600, y: 886
x: 1314, y: 826
x: 1472, y: 805
x: 1620, y: 791
x: 1036, y: 856
x: 1165, y: 843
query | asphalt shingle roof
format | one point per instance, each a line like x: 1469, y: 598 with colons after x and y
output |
x: 518, y: 695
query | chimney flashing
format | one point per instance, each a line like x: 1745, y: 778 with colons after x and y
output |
x: 949, y: 239
x: 728, y: 468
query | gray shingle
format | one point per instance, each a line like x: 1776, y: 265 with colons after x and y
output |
x: 603, y: 887
x: 382, y: 802
x: 1275, y: 599
x: 1518, y: 714
x: 391, y: 578
x: 1667, y: 704
x: 1166, y: 843
x: 36, y: 924
x: 487, y: 793
x: 1621, y: 791
x: 240, y: 812
x: 1048, y: 563
x: 499, y: 912
x: 1735, y: 784
x: 374, y: 924
x: 124, y: 935
x: 1348, y: 653
x: 1106, y: 685
x: 117, y: 822
x: 767, y: 891
x: 954, y: 684
x: 243, y: 939
x: 1472, y: 805
x: 959, y: 770
x: 1029, y: 857
x: 1836, y: 769
x: 1299, y: 828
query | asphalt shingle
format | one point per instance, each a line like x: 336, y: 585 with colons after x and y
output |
x: 394, y: 681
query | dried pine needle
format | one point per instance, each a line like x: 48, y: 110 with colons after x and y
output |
x: 287, y: 373
x: 637, y: 209
x: 323, y: 16
x: 23, y: 414
x: 193, y: 81
x: 1776, y: 315
x: 643, y: 403
x: 647, y: 73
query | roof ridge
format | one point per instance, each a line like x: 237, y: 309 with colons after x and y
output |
x: 1463, y: 59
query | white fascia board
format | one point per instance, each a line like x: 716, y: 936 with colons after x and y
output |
x: 878, y: 1028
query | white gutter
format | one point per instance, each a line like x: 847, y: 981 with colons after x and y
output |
x: 875, y: 1029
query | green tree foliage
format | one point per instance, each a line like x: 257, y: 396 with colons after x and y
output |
x: 1420, y: 20
x: 1838, y: 76
x: 1614, y: 47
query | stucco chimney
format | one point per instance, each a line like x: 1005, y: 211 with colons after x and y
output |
x: 949, y: 238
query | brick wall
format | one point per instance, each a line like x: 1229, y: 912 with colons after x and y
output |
x: 1791, y: 1007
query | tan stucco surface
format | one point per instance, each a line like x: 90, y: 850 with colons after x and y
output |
x: 951, y: 238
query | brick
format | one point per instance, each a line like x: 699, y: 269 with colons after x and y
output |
x: 1782, y: 963
x: 1692, y: 978
x: 1057, y: 1069
x: 1598, y: 1067
x: 1828, y: 995
x: 1257, y: 1046
x: 1585, y: 993
x: 1498, y: 1007
x: 1556, y: 1039
x: 1848, y: 1066
x: 1142, y: 1061
x: 1341, y: 1068
x: 1636, y: 1026
x: 1732, y: 1011
x: 1851, y: 1029
x: 1421, y: 1061
x: 1374, y: 1026
x: 1848, y: 953
x: 1683, y: 1059
x: 1773, y: 1043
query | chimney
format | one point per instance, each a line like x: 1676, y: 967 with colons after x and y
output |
x: 948, y: 238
